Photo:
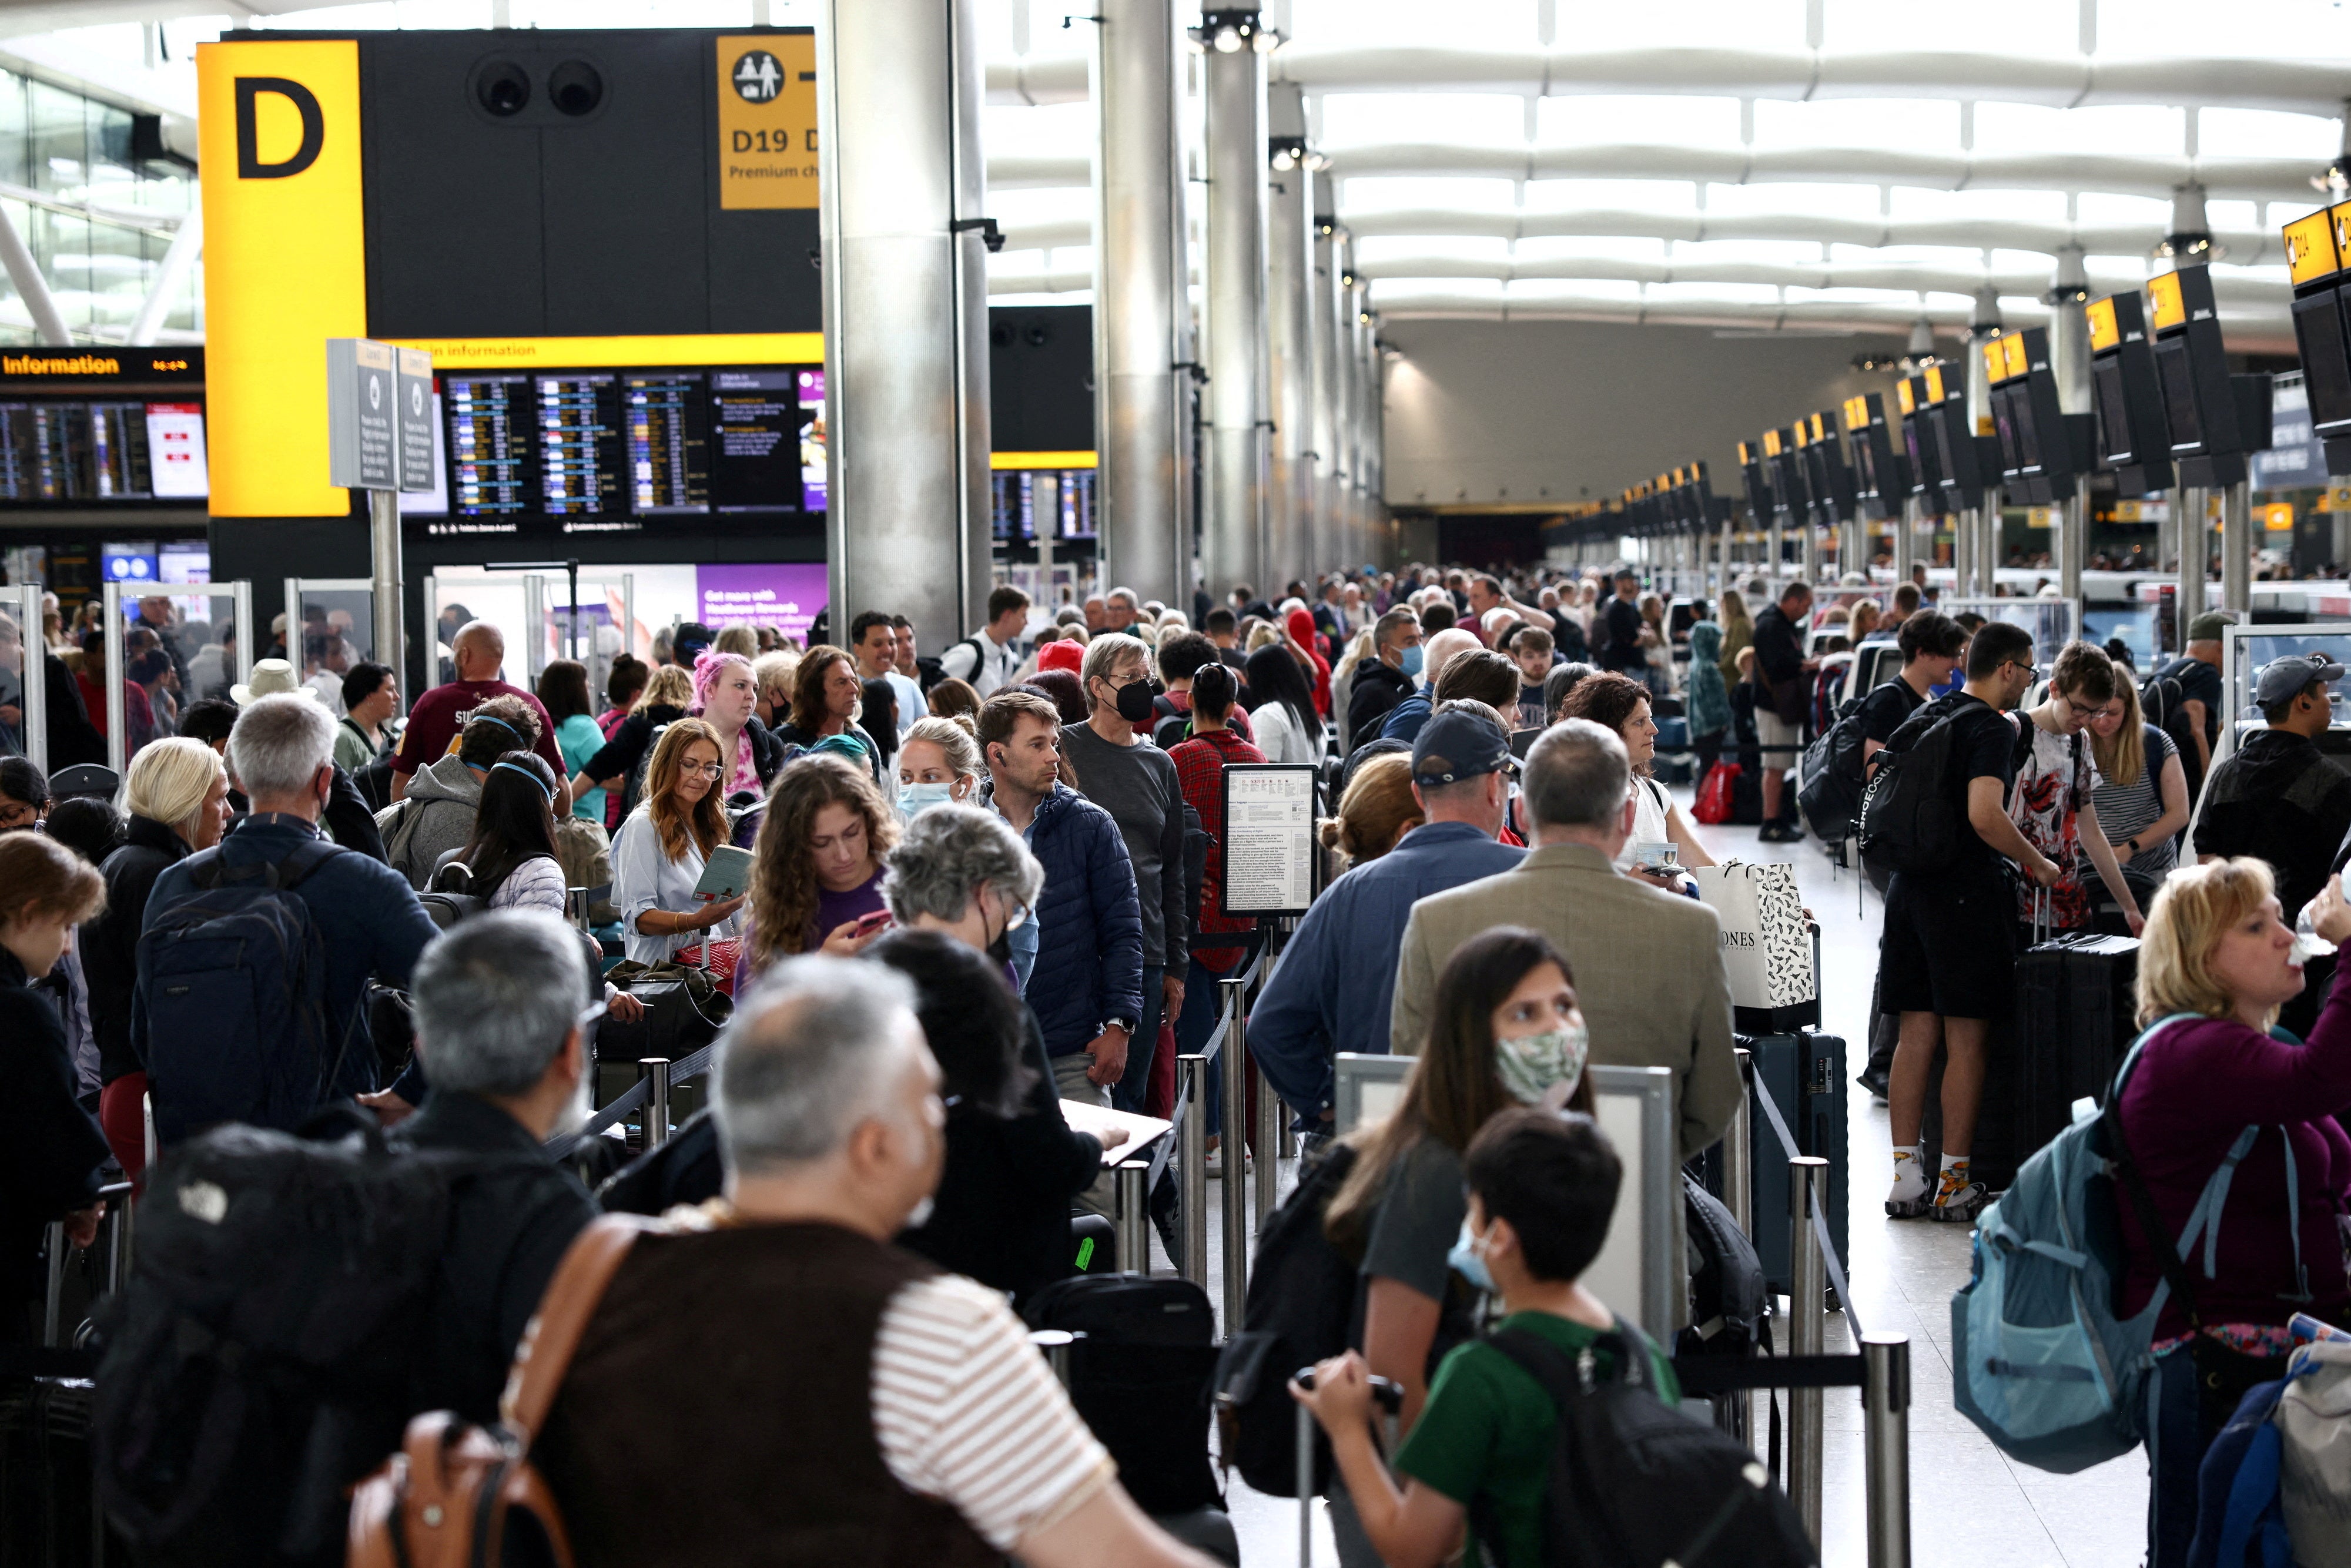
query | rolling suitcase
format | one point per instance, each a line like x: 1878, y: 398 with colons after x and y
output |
x: 1804, y: 1073
x: 1139, y: 1377
x: 2074, y: 1020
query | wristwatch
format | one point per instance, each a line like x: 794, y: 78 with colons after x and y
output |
x: 2131, y: 844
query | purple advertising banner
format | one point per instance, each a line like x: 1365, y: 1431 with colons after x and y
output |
x: 790, y: 597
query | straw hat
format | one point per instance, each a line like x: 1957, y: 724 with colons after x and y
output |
x: 271, y: 677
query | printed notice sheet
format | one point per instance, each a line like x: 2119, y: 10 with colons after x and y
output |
x: 1269, y: 847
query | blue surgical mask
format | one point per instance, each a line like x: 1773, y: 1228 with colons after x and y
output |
x: 1412, y: 661
x: 914, y: 798
x: 1467, y: 1260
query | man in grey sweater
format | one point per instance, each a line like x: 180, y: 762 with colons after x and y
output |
x: 1120, y: 771
x: 437, y: 815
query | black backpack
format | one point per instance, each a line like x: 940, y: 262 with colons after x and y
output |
x: 1140, y: 1378
x: 1908, y: 820
x: 2160, y: 699
x: 1828, y: 776
x: 260, y: 1359
x: 1634, y: 1482
x: 1726, y: 1282
x: 1301, y: 1299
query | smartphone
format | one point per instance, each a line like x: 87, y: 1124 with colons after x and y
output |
x: 868, y: 925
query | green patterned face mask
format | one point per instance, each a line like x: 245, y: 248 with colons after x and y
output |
x: 1531, y: 1064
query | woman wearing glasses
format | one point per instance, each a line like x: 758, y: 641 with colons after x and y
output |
x: 2053, y: 801
x: 658, y: 855
x: 816, y: 882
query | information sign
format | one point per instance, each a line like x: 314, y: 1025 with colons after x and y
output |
x: 1269, y: 840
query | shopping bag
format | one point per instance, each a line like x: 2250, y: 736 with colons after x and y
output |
x: 1715, y: 793
x: 1767, y: 946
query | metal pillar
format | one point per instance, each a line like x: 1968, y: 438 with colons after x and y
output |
x: 1192, y: 1166
x: 1232, y: 541
x: 1234, y: 1189
x: 33, y: 288
x: 1140, y: 292
x: 1886, y: 1447
x: 1807, y: 1324
x: 1812, y: 551
x: 163, y: 289
x: 654, y: 1070
x: 2237, y: 550
x: 2193, y: 530
x: 118, y: 743
x: 33, y: 697
x: 1779, y: 570
x: 2074, y: 539
x: 383, y: 543
x: 1290, y: 340
x: 1332, y: 535
x: 1371, y: 388
x: 1905, y: 539
x: 1133, y: 1221
x: 899, y: 91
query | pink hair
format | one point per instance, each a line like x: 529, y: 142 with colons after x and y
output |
x: 708, y: 665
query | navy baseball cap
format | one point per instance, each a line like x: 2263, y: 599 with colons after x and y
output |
x: 1457, y: 746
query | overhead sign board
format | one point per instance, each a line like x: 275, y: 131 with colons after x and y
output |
x: 766, y: 121
x: 378, y: 416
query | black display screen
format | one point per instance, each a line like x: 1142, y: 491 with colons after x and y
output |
x: 2326, y: 367
x: 1051, y: 503
x: 2114, y: 415
x: 493, y: 468
x: 580, y: 445
x: 665, y: 425
x: 755, y: 440
x: 2179, y: 411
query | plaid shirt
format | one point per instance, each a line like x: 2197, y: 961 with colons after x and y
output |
x: 1199, y: 769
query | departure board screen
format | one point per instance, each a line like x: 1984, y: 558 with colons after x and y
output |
x: 666, y: 425
x: 105, y: 430
x: 492, y: 473
x: 580, y: 445
x: 755, y: 437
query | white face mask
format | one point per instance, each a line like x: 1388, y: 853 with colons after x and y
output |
x: 1532, y: 1064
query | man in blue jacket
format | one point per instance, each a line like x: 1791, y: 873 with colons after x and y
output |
x: 1087, y: 986
x: 1332, y: 988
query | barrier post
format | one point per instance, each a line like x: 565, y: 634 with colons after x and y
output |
x: 655, y: 1071
x: 1234, y: 1189
x: 1271, y: 1126
x: 1134, y: 1223
x: 1192, y: 1157
x: 1738, y: 1151
x: 1056, y: 1344
x: 1807, y: 1328
x: 53, y: 1297
x: 1886, y: 1447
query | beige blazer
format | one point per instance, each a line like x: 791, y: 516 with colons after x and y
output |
x: 1648, y: 971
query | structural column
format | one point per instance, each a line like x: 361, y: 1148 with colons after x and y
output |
x: 1329, y: 531
x: 2069, y: 362
x: 1369, y: 388
x: 906, y: 311
x: 1232, y: 541
x: 1346, y: 409
x: 2193, y: 528
x: 2237, y: 550
x: 1289, y: 318
x: 1140, y: 293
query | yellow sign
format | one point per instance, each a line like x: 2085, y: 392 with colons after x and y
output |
x: 2278, y: 516
x: 2310, y: 248
x: 2103, y: 333
x: 1906, y: 397
x: 1995, y: 362
x: 2011, y: 351
x: 1770, y: 444
x: 2338, y: 219
x: 2163, y: 293
x: 1001, y: 460
x: 575, y: 353
x: 284, y: 264
x: 766, y: 121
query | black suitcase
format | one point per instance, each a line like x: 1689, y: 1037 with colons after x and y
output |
x: 1140, y: 1378
x: 2074, y: 1020
x: 49, y: 1516
x: 1804, y: 1073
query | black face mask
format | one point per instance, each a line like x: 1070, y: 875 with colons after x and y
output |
x: 1134, y: 701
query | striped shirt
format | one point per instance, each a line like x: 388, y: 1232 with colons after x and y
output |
x: 2127, y: 811
x: 967, y: 1412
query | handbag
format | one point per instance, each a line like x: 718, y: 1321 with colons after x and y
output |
x: 456, y: 1495
x: 684, y: 1011
x: 723, y: 953
x: 1715, y: 794
x: 585, y: 851
x: 1767, y: 950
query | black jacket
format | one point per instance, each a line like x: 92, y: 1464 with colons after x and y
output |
x: 508, y: 1229
x: 1779, y: 648
x: 1377, y: 687
x: 1623, y: 652
x: 1003, y: 1212
x: 620, y: 756
x: 110, y: 944
x: 72, y: 738
x: 49, y: 1161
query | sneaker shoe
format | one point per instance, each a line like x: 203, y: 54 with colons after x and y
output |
x: 1908, y: 1208
x: 1958, y: 1202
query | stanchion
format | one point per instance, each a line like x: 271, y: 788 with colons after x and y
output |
x: 1738, y: 1152
x: 1271, y: 1124
x: 1134, y: 1223
x: 1234, y: 1189
x: 1191, y: 1164
x: 1886, y: 1444
x: 655, y: 1071
x: 1056, y: 1344
x: 1807, y: 1326
x: 53, y: 1298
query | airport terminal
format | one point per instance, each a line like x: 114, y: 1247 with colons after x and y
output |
x: 1340, y: 783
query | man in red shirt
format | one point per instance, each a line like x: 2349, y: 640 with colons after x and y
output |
x: 478, y: 649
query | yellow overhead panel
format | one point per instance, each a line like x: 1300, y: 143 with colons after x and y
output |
x: 650, y: 351
x: 2338, y: 220
x: 766, y: 121
x: 1934, y: 384
x: 1995, y: 362
x: 285, y: 265
x: 2162, y: 294
x: 1904, y: 396
x: 2310, y: 253
x: 1770, y: 444
x: 1002, y: 460
x: 2103, y: 333
x: 1857, y: 414
x: 2012, y: 353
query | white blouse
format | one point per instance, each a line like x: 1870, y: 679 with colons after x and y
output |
x: 1651, y: 819
x: 644, y: 878
x: 1279, y: 737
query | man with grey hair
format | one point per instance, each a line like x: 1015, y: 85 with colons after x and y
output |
x: 367, y: 919
x: 1120, y: 771
x: 1648, y: 964
x: 869, y: 1404
x: 963, y: 871
x: 504, y: 1025
x: 1121, y: 610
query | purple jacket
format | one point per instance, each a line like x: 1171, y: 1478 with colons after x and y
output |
x: 2195, y: 1087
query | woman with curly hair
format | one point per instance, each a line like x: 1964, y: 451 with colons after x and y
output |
x: 659, y: 853
x: 1617, y: 702
x: 818, y: 876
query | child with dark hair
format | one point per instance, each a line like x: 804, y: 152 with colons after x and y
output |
x: 1542, y: 1185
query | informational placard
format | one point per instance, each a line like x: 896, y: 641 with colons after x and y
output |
x: 175, y: 448
x: 786, y: 596
x: 362, y: 414
x: 766, y: 120
x: 1269, y: 840
x: 420, y: 463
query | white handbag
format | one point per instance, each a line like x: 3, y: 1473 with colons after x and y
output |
x: 1767, y: 944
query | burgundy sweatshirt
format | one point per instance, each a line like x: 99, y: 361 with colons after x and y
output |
x: 2197, y: 1086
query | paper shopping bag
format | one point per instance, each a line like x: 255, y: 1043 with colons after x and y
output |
x: 1767, y: 946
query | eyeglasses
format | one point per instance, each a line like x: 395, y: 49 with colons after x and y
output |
x: 707, y: 770
x: 17, y: 814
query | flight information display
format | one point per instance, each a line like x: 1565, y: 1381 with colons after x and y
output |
x: 65, y: 453
x: 604, y: 449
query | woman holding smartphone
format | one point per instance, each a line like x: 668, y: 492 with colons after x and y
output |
x: 659, y: 853
x: 816, y: 874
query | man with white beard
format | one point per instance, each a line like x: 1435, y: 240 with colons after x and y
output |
x: 506, y: 1009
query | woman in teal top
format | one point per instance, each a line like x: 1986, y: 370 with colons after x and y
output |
x: 563, y: 693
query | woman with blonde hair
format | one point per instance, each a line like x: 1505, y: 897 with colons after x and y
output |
x: 2210, y: 1088
x: 665, y: 699
x: 816, y: 883
x: 937, y: 762
x: 1377, y: 810
x: 1738, y: 632
x: 2142, y: 794
x: 177, y: 794
x: 659, y: 853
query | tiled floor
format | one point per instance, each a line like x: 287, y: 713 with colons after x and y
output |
x: 1969, y: 1505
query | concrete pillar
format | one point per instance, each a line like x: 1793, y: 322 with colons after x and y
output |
x: 1232, y: 541
x: 1329, y: 531
x: 2193, y: 529
x: 2237, y: 550
x: 906, y: 311
x: 1289, y: 339
x: 1370, y: 385
x: 1346, y: 388
x: 1140, y: 302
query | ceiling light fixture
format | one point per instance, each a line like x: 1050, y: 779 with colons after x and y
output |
x: 1231, y: 32
x: 1286, y: 152
x: 2189, y: 243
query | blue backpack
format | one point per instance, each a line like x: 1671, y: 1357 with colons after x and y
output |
x: 235, y: 978
x: 2042, y: 1362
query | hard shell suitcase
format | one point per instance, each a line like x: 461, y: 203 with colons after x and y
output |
x: 49, y: 1517
x: 1804, y: 1073
x: 2074, y: 1020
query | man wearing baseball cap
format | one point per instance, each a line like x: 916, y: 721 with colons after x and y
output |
x: 2197, y: 671
x: 2278, y: 798
x: 1332, y: 988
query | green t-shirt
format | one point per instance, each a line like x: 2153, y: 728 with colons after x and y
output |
x: 1489, y: 1429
